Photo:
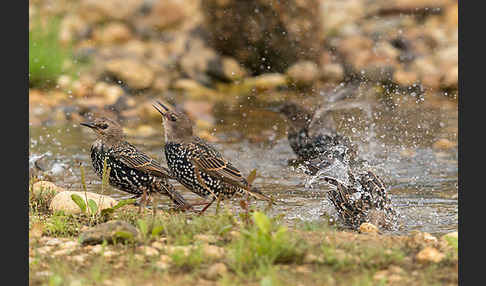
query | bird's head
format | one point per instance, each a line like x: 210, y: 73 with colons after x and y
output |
x: 298, y: 117
x: 177, y: 125
x: 105, y: 128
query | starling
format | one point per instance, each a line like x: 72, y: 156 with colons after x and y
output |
x: 197, y: 165
x: 364, y: 199
x: 313, y: 139
x: 132, y: 171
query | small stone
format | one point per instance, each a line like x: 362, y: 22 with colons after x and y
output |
x: 266, y: 81
x: 216, y: 270
x: 332, y: 72
x: 53, y: 241
x: 134, y: 73
x: 429, y: 254
x: 97, y: 249
x: 109, y: 231
x: 311, y: 258
x: 63, y: 202
x: 205, y: 238
x: 303, y: 73
x: 79, y: 258
x: 405, y: 78
x: 164, y: 262
x: 109, y: 253
x: 158, y: 245
x: 149, y: 251
x: 112, y: 33
x: 186, y: 250
x: 62, y: 252
x: 443, y: 144
x: 64, y: 81
x: 45, y: 187
x: 213, y: 252
x: 44, y: 250
x: 69, y: 245
x: 368, y: 228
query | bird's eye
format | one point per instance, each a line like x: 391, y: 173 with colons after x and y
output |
x: 103, y: 126
x: 172, y: 117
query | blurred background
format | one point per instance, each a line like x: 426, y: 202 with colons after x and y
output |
x: 226, y: 61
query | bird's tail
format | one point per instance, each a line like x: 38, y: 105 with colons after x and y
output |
x: 175, y: 196
x: 256, y: 193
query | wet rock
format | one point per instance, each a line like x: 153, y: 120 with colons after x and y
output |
x: 333, y: 72
x: 405, y: 78
x: 63, y: 202
x: 186, y: 250
x: 109, y: 231
x: 133, y: 73
x: 196, y: 90
x: 226, y: 69
x: 112, y: 33
x: 303, y: 73
x: 216, y: 270
x: 168, y: 14
x: 94, y: 11
x: 46, y: 188
x: 264, y: 35
x: 265, y: 81
x: 443, y: 144
x: 368, y: 228
x: 429, y: 254
x: 111, y: 93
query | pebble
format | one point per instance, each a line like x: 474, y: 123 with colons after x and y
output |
x: 216, y: 270
x: 45, y: 186
x: 63, y: 202
x: 213, y: 252
x: 149, y: 251
x: 429, y: 254
x: 108, y: 231
x: 368, y: 228
x: 443, y: 144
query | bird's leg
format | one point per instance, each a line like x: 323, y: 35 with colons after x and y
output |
x: 207, y: 206
x: 142, y: 201
x: 218, y: 202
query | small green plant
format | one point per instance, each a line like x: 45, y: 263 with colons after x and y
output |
x: 46, y: 55
x: 62, y: 225
x: 187, y: 261
x: 263, y: 245
x: 89, y: 207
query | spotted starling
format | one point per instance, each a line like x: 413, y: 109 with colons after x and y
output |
x: 197, y: 165
x: 132, y: 171
x: 364, y: 199
x: 313, y: 139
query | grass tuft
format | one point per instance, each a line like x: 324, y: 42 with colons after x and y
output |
x: 47, y: 57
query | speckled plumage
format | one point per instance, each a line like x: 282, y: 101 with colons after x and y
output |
x: 131, y: 170
x: 364, y: 199
x: 197, y: 165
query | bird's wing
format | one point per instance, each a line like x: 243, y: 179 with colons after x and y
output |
x: 135, y: 159
x: 221, y: 168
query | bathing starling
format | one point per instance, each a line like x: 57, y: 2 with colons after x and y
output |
x: 313, y: 139
x: 364, y: 199
x: 197, y: 165
x: 132, y: 171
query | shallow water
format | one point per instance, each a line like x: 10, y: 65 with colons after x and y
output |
x: 396, y: 139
